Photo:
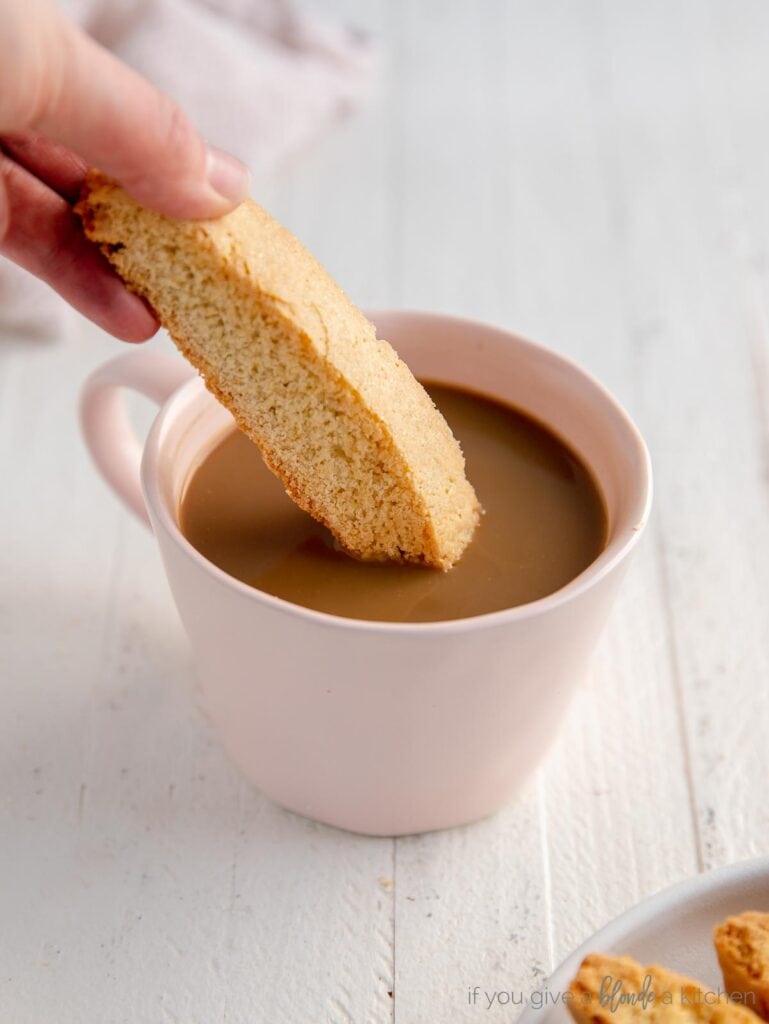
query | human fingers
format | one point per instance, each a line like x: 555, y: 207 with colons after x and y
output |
x: 3, y: 208
x: 55, y: 165
x: 39, y: 231
x: 117, y: 121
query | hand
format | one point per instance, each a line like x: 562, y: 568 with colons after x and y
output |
x: 67, y: 104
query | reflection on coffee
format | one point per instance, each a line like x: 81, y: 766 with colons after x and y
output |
x: 544, y: 523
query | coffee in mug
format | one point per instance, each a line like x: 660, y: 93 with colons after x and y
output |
x: 395, y: 727
x: 544, y: 523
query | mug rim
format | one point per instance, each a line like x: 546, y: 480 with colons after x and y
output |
x: 605, y: 562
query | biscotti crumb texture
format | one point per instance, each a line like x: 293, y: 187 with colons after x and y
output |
x: 742, y: 945
x: 338, y: 416
x: 619, y: 990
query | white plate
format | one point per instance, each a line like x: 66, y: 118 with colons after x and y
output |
x: 673, y: 928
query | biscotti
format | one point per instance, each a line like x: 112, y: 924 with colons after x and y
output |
x: 355, y: 439
x: 619, y: 990
x: 742, y: 945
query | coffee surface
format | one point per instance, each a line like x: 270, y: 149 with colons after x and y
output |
x: 544, y: 523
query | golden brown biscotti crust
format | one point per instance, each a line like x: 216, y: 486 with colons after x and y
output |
x: 619, y: 990
x: 338, y: 416
x: 742, y: 945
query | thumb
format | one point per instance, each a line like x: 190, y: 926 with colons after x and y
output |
x: 116, y: 121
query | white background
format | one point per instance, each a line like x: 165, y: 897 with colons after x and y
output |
x: 593, y: 175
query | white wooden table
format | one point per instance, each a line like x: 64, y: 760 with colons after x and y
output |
x: 594, y: 175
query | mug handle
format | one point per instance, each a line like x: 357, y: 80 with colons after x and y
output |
x: 104, y: 420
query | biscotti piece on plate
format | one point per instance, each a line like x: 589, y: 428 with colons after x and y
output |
x: 618, y: 990
x: 338, y: 416
x: 742, y: 945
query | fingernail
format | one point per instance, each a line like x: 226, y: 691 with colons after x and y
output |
x: 227, y: 175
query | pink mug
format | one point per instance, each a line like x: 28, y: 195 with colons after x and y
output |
x: 382, y: 728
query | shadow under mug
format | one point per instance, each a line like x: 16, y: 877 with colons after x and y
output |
x: 381, y: 728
